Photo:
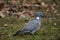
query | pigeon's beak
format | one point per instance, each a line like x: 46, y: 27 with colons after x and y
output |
x: 42, y: 15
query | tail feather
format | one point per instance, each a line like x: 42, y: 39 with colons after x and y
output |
x: 18, y: 33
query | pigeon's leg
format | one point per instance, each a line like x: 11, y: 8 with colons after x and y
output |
x: 33, y: 32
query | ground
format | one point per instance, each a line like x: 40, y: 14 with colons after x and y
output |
x: 9, y: 26
x: 11, y: 22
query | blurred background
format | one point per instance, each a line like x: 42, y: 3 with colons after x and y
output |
x: 14, y: 14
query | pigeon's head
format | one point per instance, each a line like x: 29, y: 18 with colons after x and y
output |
x: 38, y: 14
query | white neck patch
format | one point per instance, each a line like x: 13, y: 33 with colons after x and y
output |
x: 37, y: 18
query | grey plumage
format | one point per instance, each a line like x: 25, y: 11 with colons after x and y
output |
x: 32, y: 26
